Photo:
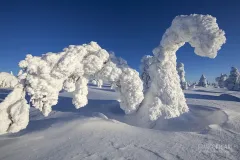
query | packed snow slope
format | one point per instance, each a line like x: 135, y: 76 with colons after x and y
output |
x: 101, y: 131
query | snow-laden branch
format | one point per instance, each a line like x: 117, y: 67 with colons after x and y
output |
x: 44, y: 77
x: 165, y: 96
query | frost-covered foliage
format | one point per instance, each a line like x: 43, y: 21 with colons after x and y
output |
x: 44, y: 77
x: 181, y: 73
x: 221, y: 80
x: 145, y: 64
x: 202, y: 81
x: 7, y: 80
x: 165, y: 96
x: 233, y: 81
x: 14, y: 111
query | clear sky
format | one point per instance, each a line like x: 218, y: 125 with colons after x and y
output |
x: 130, y: 28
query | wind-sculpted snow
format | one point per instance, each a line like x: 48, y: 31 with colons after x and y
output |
x: 44, y: 77
x: 14, y: 111
x: 165, y: 96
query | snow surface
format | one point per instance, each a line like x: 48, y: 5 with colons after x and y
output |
x: 101, y: 130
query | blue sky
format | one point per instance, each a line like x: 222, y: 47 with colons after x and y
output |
x: 129, y: 28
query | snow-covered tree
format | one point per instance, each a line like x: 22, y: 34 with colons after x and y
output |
x: 7, y: 80
x: 202, y: 81
x: 44, y: 77
x: 165, y: 96
x: 181, y: 73
x: 99, y: 83
x: 221, y: 80
x: 94, y: 81
x: 233, y: 81
x: 146, y: 61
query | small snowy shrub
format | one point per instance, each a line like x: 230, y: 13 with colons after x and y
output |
x: 203, y: 81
